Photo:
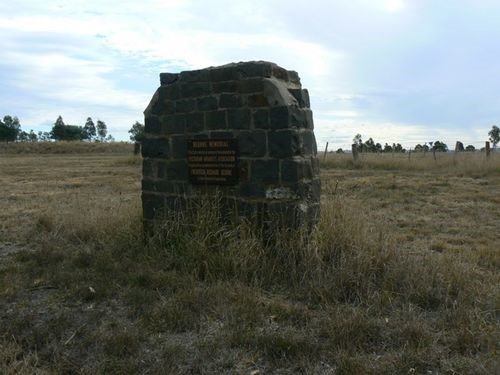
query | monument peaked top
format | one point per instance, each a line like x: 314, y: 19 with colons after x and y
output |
x: 231, y: 72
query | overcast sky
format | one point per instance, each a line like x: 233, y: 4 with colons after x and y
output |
x: 406, y: 71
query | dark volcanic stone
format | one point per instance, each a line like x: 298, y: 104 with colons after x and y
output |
x: 230, y: 101
x: 152, y: 125
x: 252, y: 143
x: 238, y: 118
x: 155, y: 148
x: 284, y: 144
x: 265, y: 171
x: 195, y: 122
x: 215, y: 120
x: 208, y: 103
x: 279, y: 117
x: 179, y: 147
x: 168, y: 78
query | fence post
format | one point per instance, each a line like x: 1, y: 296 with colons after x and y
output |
x: 459, y: 146
x: 326, y: 150
x: 488, y: 150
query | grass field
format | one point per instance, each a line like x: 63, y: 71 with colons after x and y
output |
x: 400, y: 277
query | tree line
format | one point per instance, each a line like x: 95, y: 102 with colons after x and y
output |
x: 371, y: 146
x: 10, y: 131
x: 437, y: 146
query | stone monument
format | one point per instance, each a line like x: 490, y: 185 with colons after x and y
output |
x: 242, y: 132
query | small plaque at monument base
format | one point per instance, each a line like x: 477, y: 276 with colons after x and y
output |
x: 213, y: 161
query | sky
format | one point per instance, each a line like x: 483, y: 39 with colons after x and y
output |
x: 399, y: 71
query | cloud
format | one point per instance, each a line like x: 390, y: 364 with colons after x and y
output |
x: 384, y: 64
x: 393, y: 6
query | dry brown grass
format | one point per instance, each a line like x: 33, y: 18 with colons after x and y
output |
x: 62, y: 147
x: 400, y: 277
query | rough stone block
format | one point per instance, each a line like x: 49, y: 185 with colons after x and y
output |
x: 194, y: 76
x: 224, y: 87
x: 230, y: 101
x: 215, y: 120
x: 284, y: 144
x: 238, y: 118
x: 217, y: 134
x: 308, y: 143
x: 186, y: 105
x: 191, y: 90
x: 244, y: 170
x: 294, y: 170
x: 252, y: 190
x: 265, y: 171
x: 252, y: 85
x: 147, y: 168
x: 152, y: 125
x: 252, y: 143
x: 261, y: 119
x: 298, y: 118
x: 258, y: 100
x: 255, y: 69
x: 173, y: 124
x: 302, y: 97
x: 280, y: 73
x: 161, y: 169
x: 207, y: 103
x: 224, y: 74
x: 201, y: 136
x: 279, y: 117
x: 195, y: 122
x: 177, y: 170
x: 168, y: 78
x: 179, y: 147
x: 154, y: 148
x: 309, y: 118
x: 293, y: 77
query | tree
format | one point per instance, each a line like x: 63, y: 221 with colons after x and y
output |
x: 58, y: 130
x: 339, y: 151
x: 420, y: 148
x: 73, y: 133
x: 101, y: 130
x: 470, y: 148
x: 137, y: 132
x: 32, y: 136
x: 369, y: 145
x: 494, y: 134
x: 440, y: 146
x: 23, y: 136
x: 388, y: 148
x: 62, y: 132
x: 9, y: 129
x: 89, y: 130
x: 397, y: 147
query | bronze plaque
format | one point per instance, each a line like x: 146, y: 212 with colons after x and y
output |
x: 213, y: 161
